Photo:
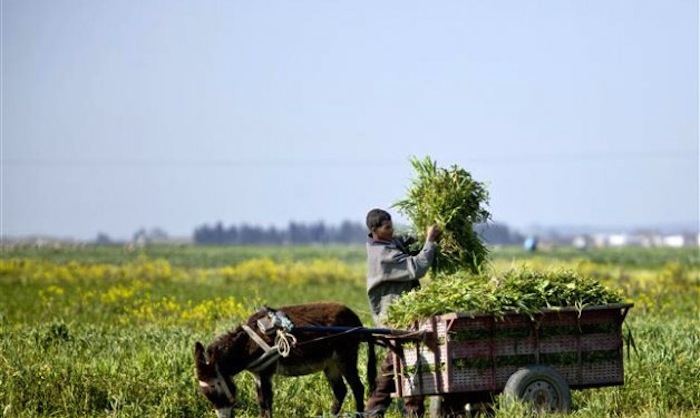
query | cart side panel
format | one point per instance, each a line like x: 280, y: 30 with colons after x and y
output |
x: 480, y: 353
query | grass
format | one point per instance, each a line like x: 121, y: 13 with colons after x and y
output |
x: 101, y: 332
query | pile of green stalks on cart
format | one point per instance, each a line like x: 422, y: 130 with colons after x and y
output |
x: 454, y: 201
x: 517, y: 290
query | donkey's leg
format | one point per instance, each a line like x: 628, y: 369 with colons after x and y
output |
x: 335, y: 379
x: 348, y: 367
x: 263, y: 385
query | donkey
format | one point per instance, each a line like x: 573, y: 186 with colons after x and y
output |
x: 247, y: 347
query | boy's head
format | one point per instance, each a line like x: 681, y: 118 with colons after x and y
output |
x: 379, y: 225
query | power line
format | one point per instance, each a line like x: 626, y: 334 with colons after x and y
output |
x: 535, y: 158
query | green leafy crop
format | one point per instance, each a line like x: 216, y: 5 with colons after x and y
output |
x: 517, y: 290
x: 454, y: 201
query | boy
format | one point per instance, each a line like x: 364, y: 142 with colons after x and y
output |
x: 392, y: 271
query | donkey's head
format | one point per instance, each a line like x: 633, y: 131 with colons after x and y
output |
x: 217, y: 387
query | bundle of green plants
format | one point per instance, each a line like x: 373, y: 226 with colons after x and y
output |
x: 517, y: 290
x: 454, y: 201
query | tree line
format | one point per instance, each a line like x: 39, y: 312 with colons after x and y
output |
x: 294, y: 234
x: 297, y: 233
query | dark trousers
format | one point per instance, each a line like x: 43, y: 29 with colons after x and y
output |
x: 380, y: 399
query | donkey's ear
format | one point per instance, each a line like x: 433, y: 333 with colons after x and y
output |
x: 213, y: 355
x: 200, y: 359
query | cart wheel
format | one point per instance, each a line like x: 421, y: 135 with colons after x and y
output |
x: 542, y: 386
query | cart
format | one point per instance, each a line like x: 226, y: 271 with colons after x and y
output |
x: 465, y: 359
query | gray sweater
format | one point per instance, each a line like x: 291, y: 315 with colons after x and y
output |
x: 393, y: 272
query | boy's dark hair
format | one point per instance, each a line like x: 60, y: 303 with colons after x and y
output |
x: 376, y: 217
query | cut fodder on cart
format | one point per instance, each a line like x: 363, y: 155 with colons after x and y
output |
x: 454, y: 201
x: 517, y: 290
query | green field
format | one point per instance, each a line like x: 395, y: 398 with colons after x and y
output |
x: 108, y: 331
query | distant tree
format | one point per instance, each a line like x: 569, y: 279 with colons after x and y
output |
x: 251, y: 235
x: 275, y: 236
x: 498, y: 234
x: 219, y: 234
x: 317, y: 233
x: 202, y: 235
x: 143, y: 236
x: 157, y: 234
x: 298, y: 233
x: 103, y: 239
x: 233, y: 235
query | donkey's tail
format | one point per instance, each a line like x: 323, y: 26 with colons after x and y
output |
x: 371, y: 364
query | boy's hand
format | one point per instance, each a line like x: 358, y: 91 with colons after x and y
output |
x: 407, y: 240
x: 433, y: 233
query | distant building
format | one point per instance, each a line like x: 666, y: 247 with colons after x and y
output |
x: 582, y: 242
x: 675, y: 241
x: 618, y: 240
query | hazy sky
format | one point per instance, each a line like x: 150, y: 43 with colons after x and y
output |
x: 122, y: 114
